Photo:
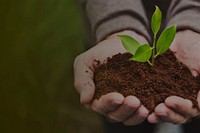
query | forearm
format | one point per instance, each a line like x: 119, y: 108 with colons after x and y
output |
x: 184, y: 13
x: 111, y: 16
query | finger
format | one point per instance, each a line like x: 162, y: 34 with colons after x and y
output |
x: 138, y: 117
x: 107, y: 103
x: 198, y: 99
x: 194, y: 72
x: 86, y: 89
x: 182, y: 106
x: 83, y: 82
x: 168, y: 115
x: 153, y: 118
x: 129, y: 106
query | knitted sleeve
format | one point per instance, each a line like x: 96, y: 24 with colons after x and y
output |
x: 185, y: 13
x: 109, y: 16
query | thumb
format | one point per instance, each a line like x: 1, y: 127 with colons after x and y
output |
x: 198, y: 100
x: 83, y: 80
x: 87, y: 92
x: 194, y: 73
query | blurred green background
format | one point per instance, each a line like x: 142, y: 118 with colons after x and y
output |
x: 39, y: 40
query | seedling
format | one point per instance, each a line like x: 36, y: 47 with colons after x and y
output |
x: 143, y: 52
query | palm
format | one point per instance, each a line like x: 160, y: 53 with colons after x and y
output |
x: 186, y: 47
x: 113, y: 105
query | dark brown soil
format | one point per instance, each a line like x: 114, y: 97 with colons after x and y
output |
x: 152, y: 85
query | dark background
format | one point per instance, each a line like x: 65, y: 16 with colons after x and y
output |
x: 39, y: 40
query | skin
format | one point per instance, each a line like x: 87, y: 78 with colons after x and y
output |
x: 129, y: 110
x: 177, y: 110
x: 113, y: 106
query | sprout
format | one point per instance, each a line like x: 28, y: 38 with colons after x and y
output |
x: 144, y: 52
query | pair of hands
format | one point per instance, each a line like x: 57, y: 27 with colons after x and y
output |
x: 129, y: 110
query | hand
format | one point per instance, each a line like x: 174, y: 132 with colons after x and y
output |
x: 113, y: 105
x: 177, y: 110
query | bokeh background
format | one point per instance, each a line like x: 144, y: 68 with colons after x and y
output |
x: 39, y: 40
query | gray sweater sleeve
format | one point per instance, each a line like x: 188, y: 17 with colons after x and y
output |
x: 185, y: 13
x: 109, y: 16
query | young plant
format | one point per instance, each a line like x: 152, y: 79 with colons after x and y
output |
x: 143, y: 52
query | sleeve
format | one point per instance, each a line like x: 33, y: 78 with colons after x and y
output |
x: 110, y: 16
x: 185, y: 14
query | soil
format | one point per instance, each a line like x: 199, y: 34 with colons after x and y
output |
x: 152, y: 85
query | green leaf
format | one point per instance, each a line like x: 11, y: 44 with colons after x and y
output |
x: 165, y: 39
x: 129, y: 43
x: 142, y: 54
x: 156, y: 20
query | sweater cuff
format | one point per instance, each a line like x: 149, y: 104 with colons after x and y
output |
x: 186, y: 20
x: 185, y: 14
x: 120, y: 23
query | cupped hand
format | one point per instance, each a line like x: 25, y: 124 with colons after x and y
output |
x: 177, y: 110
x: 114, y: 106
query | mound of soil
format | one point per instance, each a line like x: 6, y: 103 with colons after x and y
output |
x: 152, y: 85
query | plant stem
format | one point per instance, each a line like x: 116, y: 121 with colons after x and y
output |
x: 153, y: 50
x: 150, y: 63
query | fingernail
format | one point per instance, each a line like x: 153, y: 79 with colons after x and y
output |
x: 164, y: 114
x: 194, y: 73
x: 83, y: 96
x: 116, y: 102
